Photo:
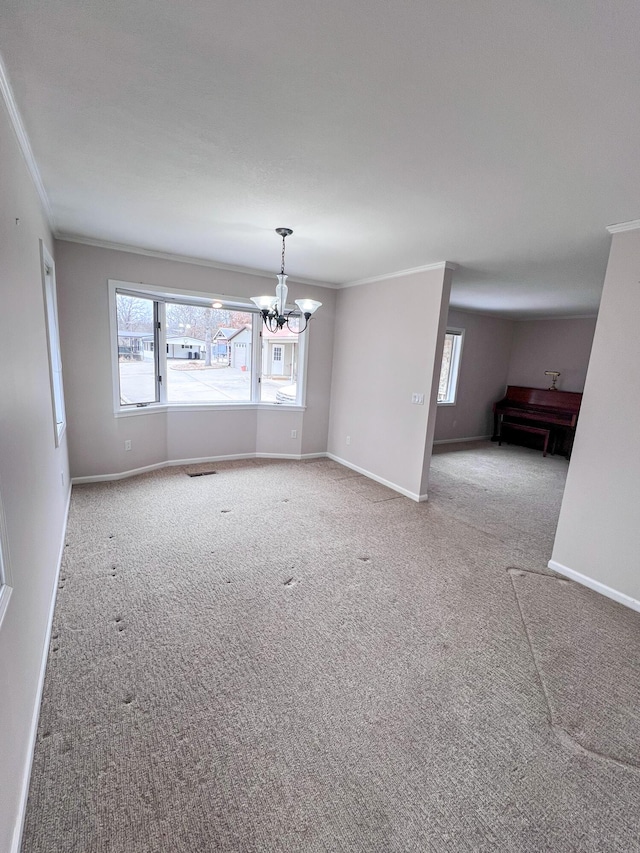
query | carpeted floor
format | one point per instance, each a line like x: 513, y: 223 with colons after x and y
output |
x: 285, y: 656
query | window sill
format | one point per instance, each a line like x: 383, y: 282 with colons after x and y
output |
x: 204, y: 407
x: 447, y: 403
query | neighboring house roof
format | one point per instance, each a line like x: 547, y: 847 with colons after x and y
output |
x: 284, y: 336
x: 184, y: 339
x: 228, y: 334
x: 224, y: 333
x: 125, y: 333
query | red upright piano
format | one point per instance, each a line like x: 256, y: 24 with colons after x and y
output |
x: 552, y: 415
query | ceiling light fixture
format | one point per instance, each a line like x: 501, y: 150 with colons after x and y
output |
x: 274, y: 308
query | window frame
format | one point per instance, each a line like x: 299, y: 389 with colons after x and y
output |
x: 454, y: 366
x: 157, y: 381
x: 163, y: 296
x: 5, y: 575
x: 54, y: 351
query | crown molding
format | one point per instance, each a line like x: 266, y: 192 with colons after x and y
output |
x: 186, y: 259
x: 552, y: 317
x: 441, y: 265
x: 479, y: 312
x: 23, y: 141
x: 519, y: 317
x: 624, y: 226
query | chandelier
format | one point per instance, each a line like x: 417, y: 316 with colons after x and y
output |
x: 274, y: 308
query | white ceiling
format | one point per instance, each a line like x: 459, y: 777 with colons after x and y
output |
x: 502, y: 135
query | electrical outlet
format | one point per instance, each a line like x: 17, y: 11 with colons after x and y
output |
x: 348, y: 439
x: 127, y: 444
x: 417, y: 399
x: 294, y: 433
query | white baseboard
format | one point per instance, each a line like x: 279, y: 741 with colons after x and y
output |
x: 297, y: 456
x: 133, y: 472
x: 620, y: 597
x: 16, y: 841
x: 413, y: 495
x: 462, y: 440
x: 122, y: 475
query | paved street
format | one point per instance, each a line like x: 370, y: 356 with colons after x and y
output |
x: 192, y: 384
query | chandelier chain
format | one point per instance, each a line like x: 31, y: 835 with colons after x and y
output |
x: 274, y: 310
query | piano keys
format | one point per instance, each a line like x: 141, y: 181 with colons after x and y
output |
x: 551, y: 414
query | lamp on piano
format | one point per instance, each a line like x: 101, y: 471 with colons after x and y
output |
x: 554, y: 374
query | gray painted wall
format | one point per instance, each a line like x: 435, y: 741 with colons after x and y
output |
x: 374, y: 377
x: 97, y: 438
x: 34, y: 475
x: 598, y: 534
x: 483, y: 375
x: 540, y: 345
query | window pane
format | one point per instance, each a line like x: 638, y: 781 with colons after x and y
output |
x: 279, y: 365
x: 4, y: 590
x: 53, y: 338
x: 136, y: 362
x: 443, y: 387
x: 450, y: 367
x: 208, y: 354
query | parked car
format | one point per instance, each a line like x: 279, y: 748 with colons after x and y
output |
x: 287, y: 395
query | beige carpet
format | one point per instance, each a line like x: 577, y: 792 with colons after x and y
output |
x: 286, y: 656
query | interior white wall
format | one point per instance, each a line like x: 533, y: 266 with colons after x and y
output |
x: 34, y: 475
x: 598, y: 535
x: 483, y: 375
x: 378, y: 365
x: 97, y: 438
x: 552, y: 344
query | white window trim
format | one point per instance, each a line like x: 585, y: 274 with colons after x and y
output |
x: 52, y: 327
x: 5, y: 575
x: 163, y: 295
x: 454, y: 368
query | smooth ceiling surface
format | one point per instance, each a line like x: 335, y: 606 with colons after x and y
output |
x: 502, y: 135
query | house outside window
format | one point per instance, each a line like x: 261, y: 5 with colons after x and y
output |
x: 450, y: 368
x: 279, y: 364
x: 170, y: 349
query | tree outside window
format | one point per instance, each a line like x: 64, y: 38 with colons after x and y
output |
x: 450, y: 368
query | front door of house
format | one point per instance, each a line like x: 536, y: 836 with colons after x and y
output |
x: 277, y: 362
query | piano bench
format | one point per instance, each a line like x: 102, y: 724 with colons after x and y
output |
x: 524, y: 428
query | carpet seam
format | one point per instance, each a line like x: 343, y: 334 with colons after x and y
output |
x: 565, y: 739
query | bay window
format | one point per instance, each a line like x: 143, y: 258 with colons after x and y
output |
x: 177, y: 349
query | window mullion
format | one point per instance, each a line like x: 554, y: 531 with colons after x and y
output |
x: 256, y: 356
x: 161, y: 351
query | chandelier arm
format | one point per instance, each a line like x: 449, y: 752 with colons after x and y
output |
x: 306, y: 323
x: 269, y: 322
x: 293, y: 331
